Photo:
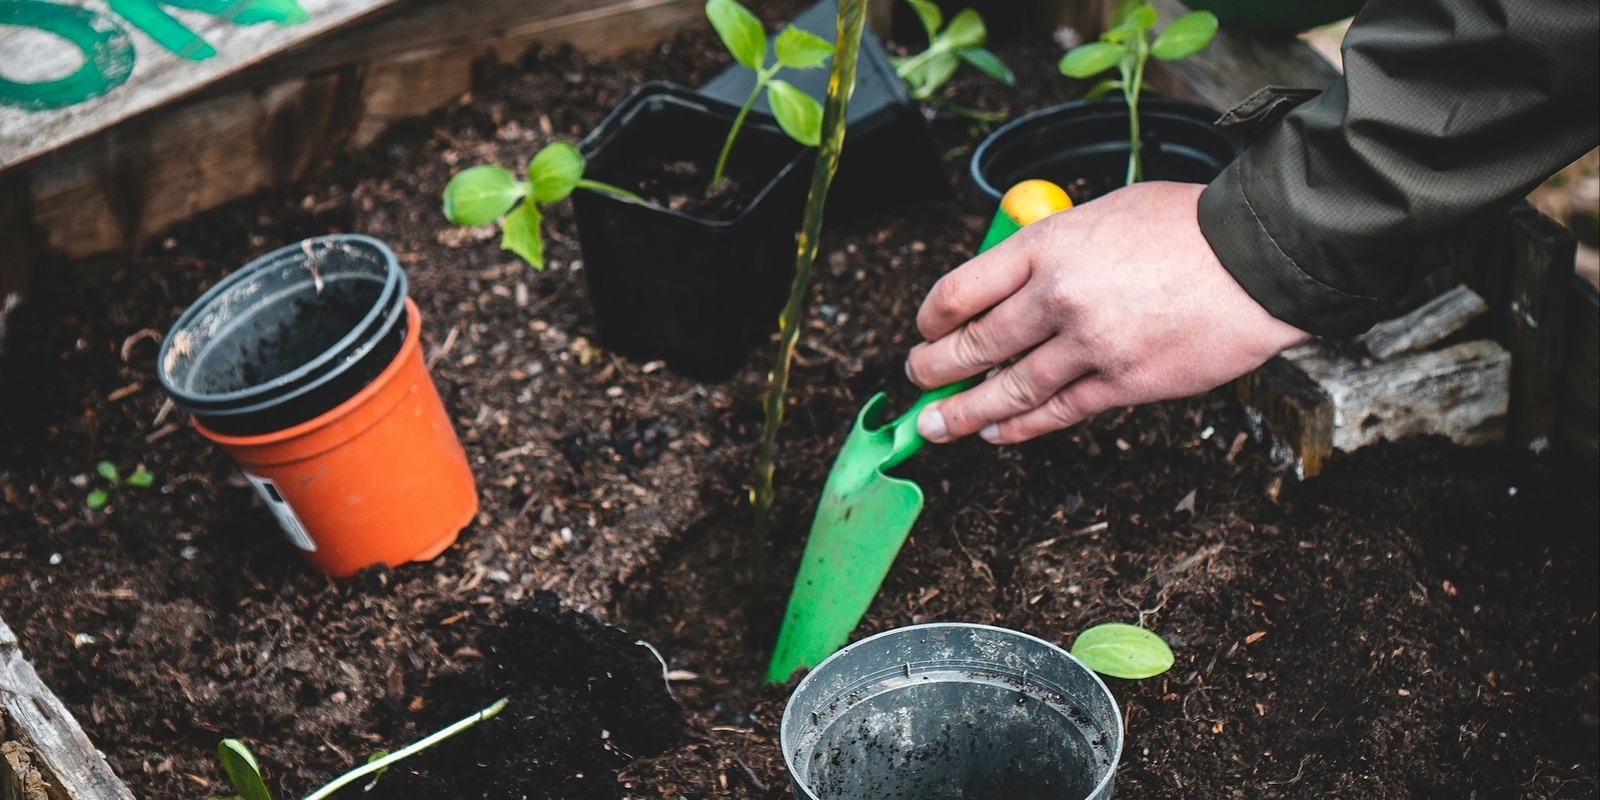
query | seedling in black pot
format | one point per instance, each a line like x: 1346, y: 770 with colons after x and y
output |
x: 797, y: 113
x: 1127, y: 46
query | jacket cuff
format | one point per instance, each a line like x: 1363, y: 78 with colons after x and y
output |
x: 1270, y: 276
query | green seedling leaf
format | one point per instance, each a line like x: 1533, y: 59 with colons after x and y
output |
x: 242, y: 770
x: 554, y: 172
x: 798, y: 114
x: 933, y: 74
x: 373, y: 759
x: 988, y: 63
x: 1125, y: 9
x: 97, y: 499
x: 966, y: 30
x: 1187, y: 35
x: 482, y: 194
x: 930, y: 16
x: 141, y: 479
x: 1123, y: 651
x: 1091, y: 59
x: 798, y: 49
x: 1143, y: 17
x: 108, y: 471
x: 520, y: 235
x: 1102, y: 89
x: 740, y: 31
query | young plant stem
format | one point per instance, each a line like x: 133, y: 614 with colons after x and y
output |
x: 841, y: 83
x: 1130, y: 92
x: 606, y: 188
x: 762, y: 77
x: 373, y: 766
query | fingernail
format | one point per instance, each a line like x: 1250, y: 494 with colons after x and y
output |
x: 931, y: 425
x: 990, y: 433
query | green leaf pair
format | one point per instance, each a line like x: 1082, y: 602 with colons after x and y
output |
x: 98, y: 498
x: 1123, y: 651
x: 961, y: 41
x: 482, y: 194
x: 797, y: 113
x: 1127, y: 46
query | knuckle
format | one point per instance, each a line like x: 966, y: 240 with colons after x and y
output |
x: 1064, y: 409
x: 1020, y: 385
x: 972, y: 346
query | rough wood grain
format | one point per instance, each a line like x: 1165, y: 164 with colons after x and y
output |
x: 1542, y: 255
x: 276, y: 122
x: 1429, y: 324
x: 67, y: 760
x: 1461, y: 391
x: 1287, y: 405
x: 158, y: 76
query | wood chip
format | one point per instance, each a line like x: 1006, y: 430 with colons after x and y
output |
x: 124, y: 392
x: 1254, y: 637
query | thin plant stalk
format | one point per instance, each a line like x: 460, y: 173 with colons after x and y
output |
x: 762, y: 77
x: 841, y: 83
x: 373, y: 766
x: 1130, y: 92
x: 605, y: 188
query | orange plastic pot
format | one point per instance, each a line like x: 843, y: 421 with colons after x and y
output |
x: 379, y: 479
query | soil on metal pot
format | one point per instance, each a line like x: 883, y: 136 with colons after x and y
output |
x: 1418, y: 621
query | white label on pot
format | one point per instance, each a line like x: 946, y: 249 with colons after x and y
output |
x: 283, y: 511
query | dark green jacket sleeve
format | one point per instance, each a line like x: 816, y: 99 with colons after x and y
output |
x: 1448, y: 110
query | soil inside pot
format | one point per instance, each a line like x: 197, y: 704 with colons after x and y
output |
x: 684, y: 186
x: 1405, y: 625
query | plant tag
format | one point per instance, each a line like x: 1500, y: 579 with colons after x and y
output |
x: 281, y: 509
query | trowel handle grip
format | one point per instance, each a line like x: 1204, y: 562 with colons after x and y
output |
x: 1023, y: 204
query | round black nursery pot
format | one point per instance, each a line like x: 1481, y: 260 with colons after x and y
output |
x: 697, y: 292
x: 947, y: 711
x: 1083, y: 146
x: 287, y: 336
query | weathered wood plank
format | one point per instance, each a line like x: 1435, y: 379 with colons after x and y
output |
x: 136, y: 55
x: 273, y: 124
x: 1286, y: 404
x: 1461, y: 391
x: 1542, y: 255
x: 1429, y: 324
x: 66, y: 759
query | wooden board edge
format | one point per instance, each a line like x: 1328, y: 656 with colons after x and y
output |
x: 67, y: 759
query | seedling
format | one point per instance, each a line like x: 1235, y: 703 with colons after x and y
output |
x: 245, y: 774
x: 99, y: 497
x: 488, y: 192
x: 960, y: 41
x: 1123, y: 651
x: 796, y: 112
x: 1127, y: 46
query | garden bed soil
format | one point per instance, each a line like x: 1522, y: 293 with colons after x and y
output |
x: 1418, y: 621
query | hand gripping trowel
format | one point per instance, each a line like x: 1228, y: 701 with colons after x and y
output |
x: 865, y: 513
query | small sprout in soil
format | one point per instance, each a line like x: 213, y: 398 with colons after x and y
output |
x: 797, y: 113
x: 1127, y: 46
x: 245, y: 774
x: 99, y: 497
x: 1123, y: 651
x: 488, y: 192
x: 961, y: 40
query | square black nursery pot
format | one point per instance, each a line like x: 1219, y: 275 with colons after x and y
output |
x: 698, y: 293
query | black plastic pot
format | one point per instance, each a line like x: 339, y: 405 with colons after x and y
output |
x: 889, y: 155
x: 1084, y: 146
x: 288, y: 336
x: 697, y: 293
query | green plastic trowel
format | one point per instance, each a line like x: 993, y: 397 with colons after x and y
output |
x: 865, y: 513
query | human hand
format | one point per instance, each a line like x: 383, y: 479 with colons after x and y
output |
x: 1113, y: 303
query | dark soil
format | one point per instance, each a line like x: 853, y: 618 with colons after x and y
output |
x: 1419, y: 621
x: 684, y: 186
